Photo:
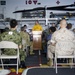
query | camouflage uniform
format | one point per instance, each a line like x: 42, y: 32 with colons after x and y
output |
x: 0, y: 36
x: 25, y: 41
x: 13, y: 35
x: 25, y: 36
x: 63, y: 35
x: 31, y: 47
x: 31, y: 43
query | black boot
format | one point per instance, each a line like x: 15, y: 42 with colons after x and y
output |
x: 23, y: 64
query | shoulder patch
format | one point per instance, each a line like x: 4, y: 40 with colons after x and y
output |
x: 10, y: 33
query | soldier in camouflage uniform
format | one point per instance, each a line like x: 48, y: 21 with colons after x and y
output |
x: 25, y: 38
x: 62, y: 35
x: 30, y: 42
x: 13, y: 35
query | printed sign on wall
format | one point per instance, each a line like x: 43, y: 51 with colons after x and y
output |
x: 2, y: 2
x: 31, y: 2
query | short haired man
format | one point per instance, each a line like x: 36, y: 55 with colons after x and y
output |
x: 13, y: 35
x: 63, y: 35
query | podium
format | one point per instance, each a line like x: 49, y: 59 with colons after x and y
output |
x: 37, y: 40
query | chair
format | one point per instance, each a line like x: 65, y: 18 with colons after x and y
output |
x: 9, y: 45
x: 64, y: 50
